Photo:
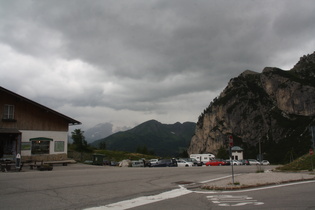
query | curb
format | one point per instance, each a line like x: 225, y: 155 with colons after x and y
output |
x: 240, y: 187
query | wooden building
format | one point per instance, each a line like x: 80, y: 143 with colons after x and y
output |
x: 32, y: 130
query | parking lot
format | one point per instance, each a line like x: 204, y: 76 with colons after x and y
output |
x: 78, y: 186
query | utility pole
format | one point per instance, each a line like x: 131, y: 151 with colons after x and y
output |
x: 312, y: 129
x: 231, y: 145
x: 313, y: 141
x: 260, y: 154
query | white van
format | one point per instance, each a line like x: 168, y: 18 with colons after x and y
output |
x: 203, y: 158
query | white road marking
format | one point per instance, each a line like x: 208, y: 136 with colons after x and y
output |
x: 183, y: 191
x: 211, y: 180
x: 150, y: 199
x: 144, y: 200
x: 230, y: 200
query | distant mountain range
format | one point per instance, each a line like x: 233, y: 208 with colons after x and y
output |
x: 99, y: 131
x: 163, y: 139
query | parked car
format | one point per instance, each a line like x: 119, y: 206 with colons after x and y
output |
x: 244, y: 162
x: 184, y: 163
x: 193, y: 160
x: 253, y: 162
x: 166, y: 163
x: 236, y: 162
x: 216, y: 162
x: 265, y: 162
x: 149, y: 163
x: 114, y: 163
x: 228, y: 162
x: 137, y: 163
x: 106, y: 162
x: 153, y: 161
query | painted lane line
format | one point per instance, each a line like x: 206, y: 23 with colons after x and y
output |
x: 183, y: 191
x: 144, y: 200
x: 150, y: 199
x: 216, y: 179
x: 246, y: 203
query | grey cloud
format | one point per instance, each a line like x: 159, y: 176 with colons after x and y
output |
x: 140, y: 55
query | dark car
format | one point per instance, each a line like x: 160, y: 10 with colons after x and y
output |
x: 114, y: 163
x: 216, y: 162
x: 166, y: 163
x: 245, y: 162
x: 228, y: 162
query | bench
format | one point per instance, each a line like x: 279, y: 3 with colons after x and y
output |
x: 63, y: 162
x: 9, y: 165
x: 40, y: 164
x: 35, y: 164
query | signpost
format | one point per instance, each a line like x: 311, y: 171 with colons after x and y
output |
x: 231, y: 143
x: 311, y: 151
x: 312, y: 130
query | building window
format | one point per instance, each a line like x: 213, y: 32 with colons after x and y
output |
x: 59, y: 146
x: 25, y: 146
x: 8, y: 112
x: 40, y: 147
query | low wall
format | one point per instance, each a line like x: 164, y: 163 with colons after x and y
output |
x: 53, y: 157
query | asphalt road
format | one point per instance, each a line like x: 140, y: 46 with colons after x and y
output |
x: 80, y: 186
x: 296, y: 197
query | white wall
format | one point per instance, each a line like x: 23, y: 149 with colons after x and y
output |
x: 55, y: 135
x: 239, y: 154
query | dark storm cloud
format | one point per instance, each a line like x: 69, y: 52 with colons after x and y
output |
x: 146, y: 55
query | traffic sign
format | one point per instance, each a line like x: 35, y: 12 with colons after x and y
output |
x: 311, y: 152
x: 231, y: 141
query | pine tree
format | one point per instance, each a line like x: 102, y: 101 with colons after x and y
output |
x: 79, y: 140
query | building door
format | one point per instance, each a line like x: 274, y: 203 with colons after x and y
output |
x: 10, y: 145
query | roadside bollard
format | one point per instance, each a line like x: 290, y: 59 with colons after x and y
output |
x: 18, y: 161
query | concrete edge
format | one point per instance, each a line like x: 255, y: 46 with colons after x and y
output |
x: 240, y: 187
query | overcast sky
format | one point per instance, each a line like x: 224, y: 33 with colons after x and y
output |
x: 129, y: 61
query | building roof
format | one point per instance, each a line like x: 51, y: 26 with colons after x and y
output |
x: 70, y: 120
x: 236, y: 148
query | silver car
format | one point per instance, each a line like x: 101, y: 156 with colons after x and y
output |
x: 265, y: 162
x: 253, y: 162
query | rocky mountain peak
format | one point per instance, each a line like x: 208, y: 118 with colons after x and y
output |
x: 305, y: 62
x: 274, y: 107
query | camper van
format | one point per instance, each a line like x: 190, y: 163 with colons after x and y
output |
x: 202, y: 158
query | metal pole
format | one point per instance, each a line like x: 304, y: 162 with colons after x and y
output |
x: 312, y: 162
x: 259, y: 154
x: 313, y: 140
x: 232, y: 165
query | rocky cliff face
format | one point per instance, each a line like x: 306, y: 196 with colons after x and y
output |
x: 275, y: 107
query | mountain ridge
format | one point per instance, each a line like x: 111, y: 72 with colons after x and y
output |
x: 274, y: 108
x: 162, y: 139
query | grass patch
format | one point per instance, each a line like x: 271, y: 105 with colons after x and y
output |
x: 237, y: 183
x: 306, y: 162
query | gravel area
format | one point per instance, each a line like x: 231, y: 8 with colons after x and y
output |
x: 258, y: 179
